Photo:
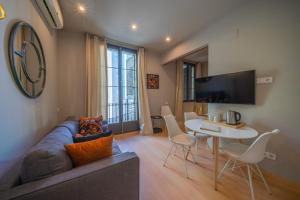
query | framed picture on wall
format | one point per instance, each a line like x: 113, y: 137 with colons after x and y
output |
x: 152, y: 81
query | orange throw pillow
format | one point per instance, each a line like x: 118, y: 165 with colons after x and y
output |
x: 90, y: 151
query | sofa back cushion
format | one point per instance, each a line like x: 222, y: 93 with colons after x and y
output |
x: 48, y: 157
x: 71, y: 125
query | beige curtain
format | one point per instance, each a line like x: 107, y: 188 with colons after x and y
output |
x: 179, y: 92
x: 96, y: 76
x: 144, y: 110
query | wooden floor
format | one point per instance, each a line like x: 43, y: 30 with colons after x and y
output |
x: 169, y: 183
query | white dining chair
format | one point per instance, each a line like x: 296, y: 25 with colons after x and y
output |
x: 199, y: 136
x: 165, y: 110
x: 179, y: 139
x: 249, y: 156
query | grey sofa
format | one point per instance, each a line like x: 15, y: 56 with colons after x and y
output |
x: 112, y: 178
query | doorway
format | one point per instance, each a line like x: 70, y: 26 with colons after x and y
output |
x: 195, y: 66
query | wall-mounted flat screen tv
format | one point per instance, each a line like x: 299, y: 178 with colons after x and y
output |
x: 233, y: 88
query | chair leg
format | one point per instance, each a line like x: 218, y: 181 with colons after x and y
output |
x: 250, y: 182
x: 193, y: 156
x: 184, y: 156
x: 190, y: 152
x: 213, y: 149
x: 224, y: 168
x: 175, y: 150
x: 197, y: 146
x: 263, y: 178
x: 233, y: 166
x: 171, y: 149
x: 243, y: 174
x: 187, y: 153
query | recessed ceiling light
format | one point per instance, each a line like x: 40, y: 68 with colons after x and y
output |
x: 168, y: 39
x: 133, y: 27
x: 81, y: 8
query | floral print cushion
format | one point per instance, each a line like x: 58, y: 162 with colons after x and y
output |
x: 90, y: 125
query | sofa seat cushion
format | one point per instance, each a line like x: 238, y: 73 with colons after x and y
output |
x: 48, y: 157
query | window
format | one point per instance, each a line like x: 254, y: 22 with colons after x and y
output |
x: 122, y: 89
x: 189, y: 71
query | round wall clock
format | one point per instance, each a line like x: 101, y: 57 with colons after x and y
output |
x: 27, y: 59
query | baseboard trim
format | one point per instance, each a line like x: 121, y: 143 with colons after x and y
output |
x: 282, y: 182
x: 276, y: 180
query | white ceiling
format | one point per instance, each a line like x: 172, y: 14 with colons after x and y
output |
x: 155, y: 19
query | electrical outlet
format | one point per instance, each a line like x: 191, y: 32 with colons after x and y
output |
x: 271, y: 156
x: 264, y: 80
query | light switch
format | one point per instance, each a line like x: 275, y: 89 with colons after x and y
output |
x: 264, y: 80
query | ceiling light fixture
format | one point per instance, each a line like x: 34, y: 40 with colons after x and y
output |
x: 81, y: 8
x: 134, y: 27
x: 168, y: 39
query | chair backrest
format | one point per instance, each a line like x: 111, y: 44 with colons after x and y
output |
x: 172, y: 126
x: 165, y: 110
x: 255, y: 153
x: 190, y: 115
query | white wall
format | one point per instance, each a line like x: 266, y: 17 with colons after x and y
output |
x: 71, y: 77
x: 71, y: 74
x: 268, y: 41
x: 24, y: 121
x: 167, y: 83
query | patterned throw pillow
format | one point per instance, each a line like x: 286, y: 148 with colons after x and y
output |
x: 90, y: 125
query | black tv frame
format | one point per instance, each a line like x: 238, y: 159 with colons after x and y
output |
x: 233, y: 73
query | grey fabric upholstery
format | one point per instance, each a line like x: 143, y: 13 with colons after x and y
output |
x: 112, y: 178
x: 9, y: 174
x: 115, y: 148
x: 48, y: 157
x: 71, y: 125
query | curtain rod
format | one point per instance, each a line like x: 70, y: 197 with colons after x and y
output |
x: 119, y: 43
x: 116, y: 42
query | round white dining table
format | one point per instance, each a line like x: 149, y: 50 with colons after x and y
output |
x: 224, y: 132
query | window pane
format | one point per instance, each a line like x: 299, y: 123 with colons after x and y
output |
x: 189, y: 78
x: 122, y: 85
x: 113, y: 104
x: 113, y: 108
x: 191, y: 94
x: 112, y: 77
x: 129, y: 78
x: 129, y: 86
x: 185, y: 83
x: 112, y: 58
x: 128, y: 60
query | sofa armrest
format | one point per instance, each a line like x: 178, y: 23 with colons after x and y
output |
x: 112, y: 178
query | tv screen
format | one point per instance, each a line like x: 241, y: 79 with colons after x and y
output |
x: 234, y: 88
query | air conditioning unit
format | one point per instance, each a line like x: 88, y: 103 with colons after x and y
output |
x: 52, y: 12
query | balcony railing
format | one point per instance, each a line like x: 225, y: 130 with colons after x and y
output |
x: 129, y: 112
